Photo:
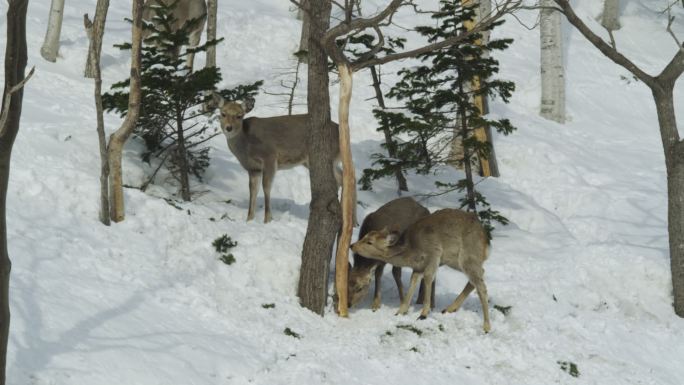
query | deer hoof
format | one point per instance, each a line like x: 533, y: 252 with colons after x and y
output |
x: 422, y: 317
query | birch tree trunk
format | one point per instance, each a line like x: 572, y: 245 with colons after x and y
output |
x: 50, y: 47
x: 552, y: 74
x: 10, y: 115
x: 119, y: 137
x: 212, y: 15
x: 610, y: 18
x: 96, y: 34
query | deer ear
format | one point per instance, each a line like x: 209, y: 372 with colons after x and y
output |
x: 392, y: 238
x: 248, y: 104
x: 218, y: 99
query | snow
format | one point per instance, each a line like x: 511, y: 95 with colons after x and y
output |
x: 584, y: 263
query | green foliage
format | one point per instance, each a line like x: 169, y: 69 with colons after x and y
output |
x: 569, y: 367
x: 268, y: 305
x: 410, y: 328
x: 503, y: 309
x: 438, y: 106
x: 291, y: 333
x: 222, y: 245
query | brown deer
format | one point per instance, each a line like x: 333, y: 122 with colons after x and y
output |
x: 446, y: 237
x: 397, y: 214
x: 266, y: 145
x: 183, y: 12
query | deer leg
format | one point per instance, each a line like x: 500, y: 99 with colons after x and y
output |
x: 254, y: 177
x: 482, y: 293
x: 428, y: 280
x: 269, y: 173
x: 421, y: 293
x: 459, y: 300
x: 396, y: 273
x: 415, y: 277
x: 377, y: 297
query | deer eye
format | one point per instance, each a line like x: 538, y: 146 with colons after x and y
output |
x: 239, y: 116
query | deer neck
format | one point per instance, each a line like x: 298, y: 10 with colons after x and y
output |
x: 398, y: 255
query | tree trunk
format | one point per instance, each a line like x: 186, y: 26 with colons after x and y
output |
x: 324, y: 216
x: 212, y: 15
x: 389, y: 141
x: 348, y: 189
x: 96, y: 33
x: 15, y: 65
x: 94, y: 66
x: 304, y: 39
x: 51, y: 44
x: 674, y: 159
x: 182, y: 160
x: 119, y: 137
x: 610, y: 18
x: 552, y: 76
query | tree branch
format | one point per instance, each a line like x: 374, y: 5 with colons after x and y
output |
x: 8, y: 100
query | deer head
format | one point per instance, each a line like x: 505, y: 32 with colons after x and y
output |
x: 232, y: 114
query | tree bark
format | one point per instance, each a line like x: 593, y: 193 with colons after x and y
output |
x: 119, y: 137
x: 15, y: 65
x: 389, y: 141
x: 94, y: 66
x: 304, y: 39
x: 96, y: 34
x: 212, y: 15
x: 610, y: 18
x: 348, y: 189
x: 552, y: 76
x: 50, y: 47
x: 324, y: 217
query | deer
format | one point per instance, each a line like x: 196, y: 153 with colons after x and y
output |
x: 184, y: 11
x: 266, y: 145
x: 399, y: 214
x: 449, y: 237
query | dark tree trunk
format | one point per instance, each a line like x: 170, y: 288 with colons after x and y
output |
x: 324, y: 217
x: 674, y: 159
x: 15, y: 65
x: 389, y: 141
x: 182, y: 160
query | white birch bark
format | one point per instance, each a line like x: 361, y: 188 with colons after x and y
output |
x: 211, y: 31
x: 610, y: 18
x: 51, y: 44
x: 552, y: 73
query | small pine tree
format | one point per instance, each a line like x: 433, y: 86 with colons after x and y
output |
x: 172, y: 122
x: 439, y: 99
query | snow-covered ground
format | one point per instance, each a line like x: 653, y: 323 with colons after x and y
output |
x: 584, y: 263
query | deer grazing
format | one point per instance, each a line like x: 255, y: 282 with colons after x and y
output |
x: 446, y: 237
x: 397, y: 214
x: 265, y: 145
x: 183, y: 12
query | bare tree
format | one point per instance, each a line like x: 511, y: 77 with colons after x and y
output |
x: 304, y: 38
x: 10, y: 115
x: 552, y: 73
x: 95, y: 31
x: 212, y: 15
x: 50, y: 47
x: 94, y: 66
x: 119, y: 137
x: 662, y: 88
x: 326, y: 209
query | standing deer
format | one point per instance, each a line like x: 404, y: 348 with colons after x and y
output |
x: 183, y: 12
x: 266, y: 145
x: 447, y: 237
x: 397, y: 214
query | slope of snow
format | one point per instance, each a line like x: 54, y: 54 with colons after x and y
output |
x: 584, y: 263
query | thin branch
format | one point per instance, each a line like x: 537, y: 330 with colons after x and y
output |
x: 8, y: 100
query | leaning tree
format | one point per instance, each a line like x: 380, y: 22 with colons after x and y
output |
x: 324, y: 222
